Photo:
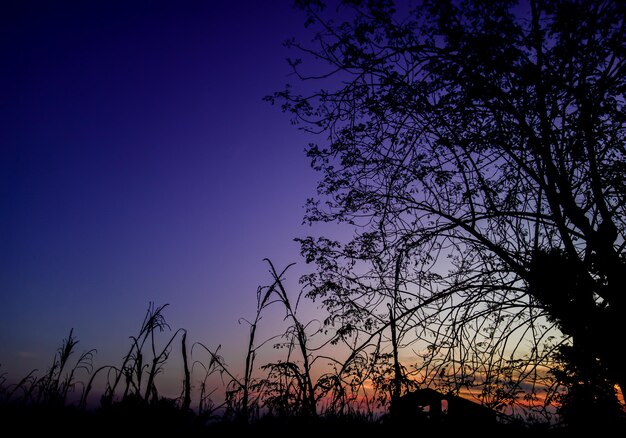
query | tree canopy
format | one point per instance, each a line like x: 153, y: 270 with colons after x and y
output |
x: 477, y: 149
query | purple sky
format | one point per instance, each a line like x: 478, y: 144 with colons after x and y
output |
x: 139, y: 163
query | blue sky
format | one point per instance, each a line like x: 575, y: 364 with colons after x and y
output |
x: 139, y: 163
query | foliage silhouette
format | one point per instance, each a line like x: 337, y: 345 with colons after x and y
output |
x: 477, y: 149
x: 478, y: 152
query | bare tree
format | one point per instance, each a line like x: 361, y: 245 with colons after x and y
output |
x: 478, y: 150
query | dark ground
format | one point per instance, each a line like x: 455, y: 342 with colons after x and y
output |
x: 165, y: 421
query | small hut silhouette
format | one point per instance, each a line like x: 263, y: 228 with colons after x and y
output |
x: 439, y: 406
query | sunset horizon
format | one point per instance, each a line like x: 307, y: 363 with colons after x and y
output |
x: 254, y: 216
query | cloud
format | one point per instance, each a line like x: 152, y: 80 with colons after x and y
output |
x: 27, y: 354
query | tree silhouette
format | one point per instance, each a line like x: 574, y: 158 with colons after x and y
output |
x: 478, y: 150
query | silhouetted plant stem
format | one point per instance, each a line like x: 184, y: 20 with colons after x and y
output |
x: 309, y: 392
x: 398, y: 376
x: 89, y: 386
x: 262, y: 302
x: 187, y: 381
x: 157, y: 361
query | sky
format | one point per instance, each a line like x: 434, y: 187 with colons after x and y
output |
x: 138, y: 163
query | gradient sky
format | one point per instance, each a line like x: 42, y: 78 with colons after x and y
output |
x: 139, y: 163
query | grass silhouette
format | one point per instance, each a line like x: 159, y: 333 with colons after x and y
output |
x: 280, y: 398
